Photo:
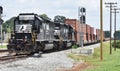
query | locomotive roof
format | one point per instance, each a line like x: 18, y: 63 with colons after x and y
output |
x: 46, y: 19
x: 39, y: 17
x: 26, y: 14
x: 58, y: 23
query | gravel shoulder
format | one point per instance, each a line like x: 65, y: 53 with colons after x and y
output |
x: 48, y: 62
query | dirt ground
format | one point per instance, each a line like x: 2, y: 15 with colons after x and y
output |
x: 3, y: 54
x: 77, y: 67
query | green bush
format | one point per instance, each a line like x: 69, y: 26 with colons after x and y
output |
x: 117, y: 44
x: 74, y: 46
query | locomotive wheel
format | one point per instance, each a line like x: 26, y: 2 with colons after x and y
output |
x: 40, y: 47
x: 11, y: 50
x: 64, y: 45
x: 61, y: 46
x: 29, y: 49
x: 37, y: 48
x: 55, y: 46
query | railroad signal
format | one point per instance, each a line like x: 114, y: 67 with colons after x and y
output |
x: 82, y: 15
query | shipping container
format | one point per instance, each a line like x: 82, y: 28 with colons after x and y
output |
x: 91, y: 30
x: 98, y: 34
x: 87, y: 28
x: 80, y: 30
x: 91, y: 34
x: 83, y: 28
x: 88, y: 33
x: 85, y: 39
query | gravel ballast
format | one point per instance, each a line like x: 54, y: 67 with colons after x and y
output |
x: 48, y: 62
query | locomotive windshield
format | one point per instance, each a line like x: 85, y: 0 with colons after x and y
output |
x: 26, y: 17
x: 26, y: 22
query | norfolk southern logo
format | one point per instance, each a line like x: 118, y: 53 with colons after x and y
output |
x: 22, y: 28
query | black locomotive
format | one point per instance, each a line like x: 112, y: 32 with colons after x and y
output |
x: 33, y: 33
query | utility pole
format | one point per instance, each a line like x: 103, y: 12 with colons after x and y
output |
x: 110, y: 6
x: 101, y: 30
x: 115, y: 12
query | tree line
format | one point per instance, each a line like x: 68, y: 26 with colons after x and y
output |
x: 8, y: 25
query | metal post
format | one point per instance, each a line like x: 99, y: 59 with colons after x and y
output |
x: 101, y: 27
x: 80, y: 22
x: 81, y: 15
x: 115, y: 31
x: 82, y: 30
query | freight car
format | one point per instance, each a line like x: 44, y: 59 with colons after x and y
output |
x: 33, y: 33
x: 90, y: 35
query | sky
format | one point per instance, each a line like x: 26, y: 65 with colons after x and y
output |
x: 67, y: 8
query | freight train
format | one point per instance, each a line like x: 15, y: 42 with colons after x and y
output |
x: 33, y: 33
x: 89, y: 34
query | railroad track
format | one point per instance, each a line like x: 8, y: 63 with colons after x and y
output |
x: 12, y: 57
x: 3, y: 50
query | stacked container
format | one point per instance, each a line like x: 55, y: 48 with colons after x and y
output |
x: 88, y: 33
x: 98, y: 34
x: 92, y: 34
x: 84, y: 31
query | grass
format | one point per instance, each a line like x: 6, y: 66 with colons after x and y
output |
x: 76, y: 58
x: 109, y: 63
x: 3, y: 46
